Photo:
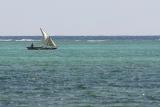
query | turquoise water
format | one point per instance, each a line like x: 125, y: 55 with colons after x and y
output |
x: 110, y: 73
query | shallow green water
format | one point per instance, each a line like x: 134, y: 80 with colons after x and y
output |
x: 111, y: 73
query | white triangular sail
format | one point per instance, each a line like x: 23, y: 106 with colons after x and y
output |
x: 47, y: 40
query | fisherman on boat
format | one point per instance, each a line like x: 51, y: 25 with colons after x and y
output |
x: 32, y: 45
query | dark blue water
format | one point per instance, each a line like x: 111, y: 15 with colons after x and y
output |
x: 13, y: 38
x: 82, y: 72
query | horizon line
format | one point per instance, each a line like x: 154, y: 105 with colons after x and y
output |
x: 85, y: 35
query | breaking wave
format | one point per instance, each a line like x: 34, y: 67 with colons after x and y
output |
x: 91, y: 40
x: 18, y: 40
x: 6, y: 39
x: 27, y: 40
x: 96, y: 40
x: 77, y: 40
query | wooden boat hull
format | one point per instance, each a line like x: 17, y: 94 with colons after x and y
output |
x: 41, y: 48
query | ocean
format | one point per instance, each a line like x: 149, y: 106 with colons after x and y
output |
x: 85, y: 71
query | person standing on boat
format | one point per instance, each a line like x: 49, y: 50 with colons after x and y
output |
x: 32, y: 45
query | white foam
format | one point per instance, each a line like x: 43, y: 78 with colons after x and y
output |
x: 96, y: 40
x: 77, y: 40
x: 6, y: 39
x: 27, y: 40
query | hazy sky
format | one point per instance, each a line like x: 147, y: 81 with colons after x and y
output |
x: 80, y: 17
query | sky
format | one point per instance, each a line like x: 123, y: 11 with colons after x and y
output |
x: 80, y: 17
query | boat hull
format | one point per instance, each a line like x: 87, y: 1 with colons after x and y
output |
x: 41, y: 48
